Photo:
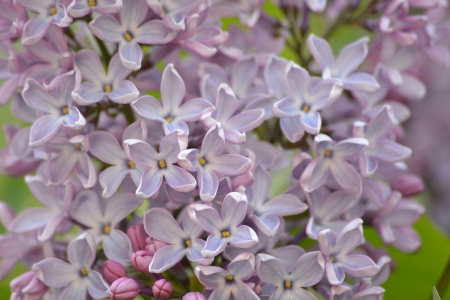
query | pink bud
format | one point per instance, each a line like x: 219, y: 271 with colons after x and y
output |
x: 153, y: 245
x: 408, y: 184
x: 113, y: 271
x: 28, y: 286
x: 124, y: 288
x: 162, y: 289
x: 137, y: 235
x: 141, y: 260
x: 6, y: 214
x: 194, y: 296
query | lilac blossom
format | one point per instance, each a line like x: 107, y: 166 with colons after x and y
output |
x: 234, y: 127
x: 299, y: 111
x: 331, y: 158
x: 210, y: 165
x: 224, y: 228
x: 57, y: 108
x: 80, y: 8
x: 266, y: 214
x: 101, y: 85
x: 169, y: 111
x: 337, y: 248
x: 174, y: 13
x: 248, y: 11
x: 230, y: 282
x: 48, y: 12
x: 75, y: 276
x: 345, y: 65
x: 131, y: 32
x: 13, y: 17
x: 307, y: 271
x: 159, y: 165
x: 102, y: 221
x: 181, y: 241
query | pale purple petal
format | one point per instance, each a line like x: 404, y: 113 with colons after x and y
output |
x: 35, y: 29
x: 180, y: 179
x: 124, y: 92
x: 215, y: 244
x: 154, y: 32
x: 166, y: 257
x: 88, y: 93
x: 315, y: 174
x: 204, y: 216
x: 351, y: 56
x: 161, y: 225
x: 105, y: 147
x: 141, y: 153
x: 130, y: 55
x: 311, y: 122
x: 96, y: 286
x: 150, y: 183
x: 172, y: 89
x: 229, y: 164
x: 86, y: 209
x: 208, y: 184
x: 358, y: 265
x: 270, y: 269
x: 286, y: 108
x: 31, y: 218
x: 90, y: 66
x: 117, y: 246
x: 274, y: 76
x: 292, y: 128
x: 120, y: 206
x: 149, y: 107
x: 346, y: 176
x: 106, y: 28
x: 81, y: 251
x: 194, y: 109
x: 244, y: 237
x: 309, y: 269
x: 361, y: 82
x: 321, y: 51
x: 283, y: 205
x: 55, y: 272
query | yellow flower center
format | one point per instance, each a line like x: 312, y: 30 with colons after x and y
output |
x: 108, y: 88
x: 107, y: 229
x: 127, y: 36
x: 131, y: 164
x: 84, y: 272
x: 287, y: 284
x: 331, y: 258
x: 202, y: 161
x: 162, y: 164
x: 78, y: 146
x: 225, y: 233
x: 327, y: 153
x: 229, y: 277
x: 305, y: 108
x: 169, y: 119
x: 188, y: 243
x: 53, y: 10
x: 92, y: 3
x: 65, y: 110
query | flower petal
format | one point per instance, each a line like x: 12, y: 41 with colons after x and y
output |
x: 166, y: 257
x: 130, y: 55
x: 117, y: 246
x: 161, y: 225
x: 151, y: 181
x: 55, y: 272
x: 124, y: 92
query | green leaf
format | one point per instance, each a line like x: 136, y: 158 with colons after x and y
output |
x: 435, y: 294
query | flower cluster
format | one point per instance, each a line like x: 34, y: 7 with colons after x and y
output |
x: 155, y: 134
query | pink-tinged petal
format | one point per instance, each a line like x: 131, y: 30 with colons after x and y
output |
x: 367, y: 165
x: 96, y: 286
x: 137, y: 130
x: 120, y: 206
x: 74, y: 119
x: 74, y: 291
x: 86, y: 209
x: 193, y: 109
x: 215, y: 244
x: 359, y: 265
x: 85, y: 170
x: 226, y: 103
x: 39, y: 98
x: 211, y: 276
x: 116, y: 70
x: 133, y: 13
x: 309, y: 269
x: 166, y: 257
x: 243, y: 291
x: 208, y: 183
x: 55, y: 272
x: 149, y: 108
x: 204, y: 216
x: 141, y: 153
x: 267, y: 224
x: 292, y: 129
x: 88, y: 93
x: 111, y: 178
x: 229, y: 164
x: 315, y: 175
x: 194, y: 253
x: 361, y: 82
x: 270, y: 269
x: 130, y: 55
x: 288, y: 254
x: 106, y: 28
x: 180, y: 179
x: 154, y: 32
x: 188, y: 159
x: 351, y: 56
x: 44, y: 129
x: 161, y: 225
x: 214, y: 141
x: 172, y: 89
x: 169, y: 147
x: 124, y: 92
x: 390, y: 151
x: 346, y: 176
x: 321, y: 51
x: 81, y: 251
x: 41, y: 192
x: 246, y: 121
x: 406, y: 239
x: 244, y: 72
x: 199, y: 48
x: 35, y: 29
x: 350, y: 148
x: 283, y: 205
x: 105, y: 147
x: 78, y: 9
x: 311, y: 122
x: 31, y: 219
x: 8, y: 89
x: 412, y: 88
x: 244, y: 237
x: 117, y: 246
x: 50, y: 228
x: 349, y: 238
x: 150, y: 183
x: 90, y: 66
x: 335, y: 276
x: 286, y: 108
x: 325, y: 93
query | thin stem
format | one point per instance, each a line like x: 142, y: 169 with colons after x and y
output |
x: 444, y: 281
x: 128, y: 113
x: 105, y: 54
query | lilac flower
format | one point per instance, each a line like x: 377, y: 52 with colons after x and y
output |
x: 102, y: 221
x: 338, y: 260
x: 80, y: 8
x: 169, y: 111
x: 234, y: 127
x: 72, y: 155
x: 224, y: 228
x: 307, y: 271
x: 331, y: 158
x: 159, y: 165
x: 48, y: 218
x: 345, y: 65
x: 100, y: 84
x: 380, y: 147
x: 13, y: 17
x: 227, y: 283
x: 248, y: 11
x: 130, y: 32
x: 317, y: 6
x: 266, y: 214
x: 210, y: 165
x: 47, y: 12
x: 299, y: 112
x: 174, y: 13
x: 56, y: 107
x: 27, y: 286
x: 161, y: 225
x: 105, y: 147
x: 347, y: 293
x: 76, y: 276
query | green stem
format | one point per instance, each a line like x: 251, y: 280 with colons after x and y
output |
x: 444, y: 281
x: 105, y: 54
x: 128, y: 113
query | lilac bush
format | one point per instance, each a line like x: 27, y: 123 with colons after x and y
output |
x: 156, y: 138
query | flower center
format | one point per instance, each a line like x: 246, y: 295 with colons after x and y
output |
x: 78, y: 146
x: 127, y: 36
x: 92, y: 3
x: 229, y: 278
x: 331, y: 258
x: 169, y: 119
x: 202, y: 161
x: 84, y: 272
x: 327, y: 153
x: 188, y: 243
x: 65, y: 110
x: 107, y: 229
x: 305, y: 108
x: 287, y: 284
x: 225, y: 233
x: 107, y: 88
x: 162, y: 164
x: 131, y: 164
x: 53, y: 10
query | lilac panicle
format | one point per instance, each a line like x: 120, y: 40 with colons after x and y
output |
x: 80, y: 8
x: 224, y: 228
x: 101, y: 85
x: 181, y: 241
x: 307, y: 271
x: 210, y: 164
x: 225, y: 283
x: 27, y: 286
x: 75, y: 277
x: 174, y: 13
x: 131, y: 32
x: 170, y: 112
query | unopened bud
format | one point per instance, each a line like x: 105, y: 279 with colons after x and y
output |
x: 124, y: 288
x: 408, y: 184
x: 27, y: 286
x: 194, y: 296
x: 113, y: 271
x: 153, y: 245
x: 162, y: 289
x: 137, y: 236
x: 141, y: 260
